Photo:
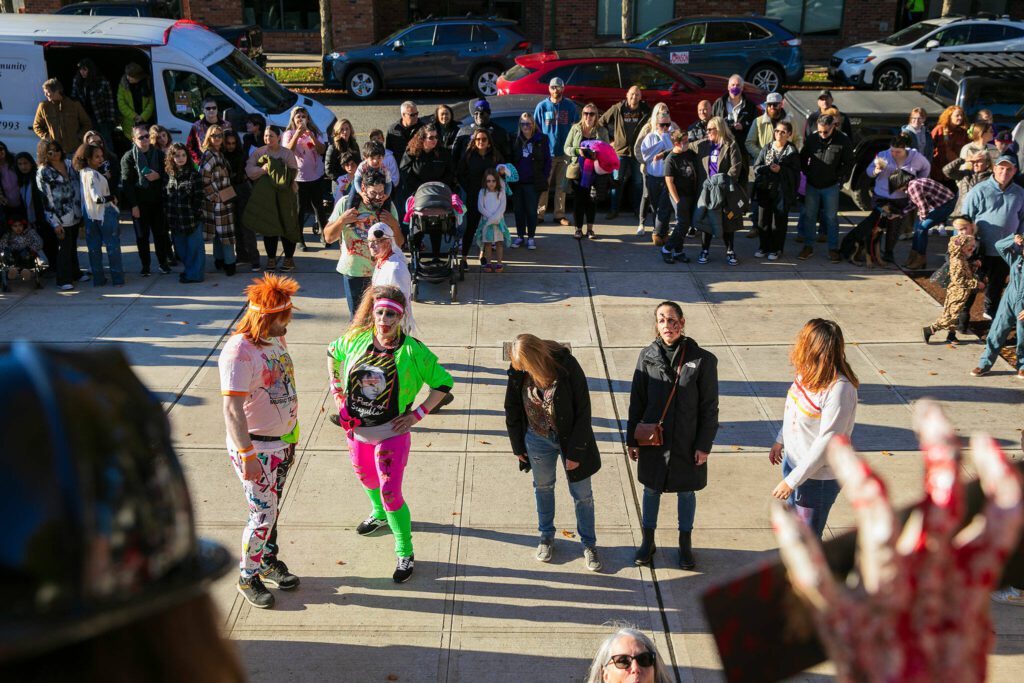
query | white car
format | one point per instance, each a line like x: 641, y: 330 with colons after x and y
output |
x: 906, y: 57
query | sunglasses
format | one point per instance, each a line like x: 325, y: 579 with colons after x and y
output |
x: 526, y: 124
x: 481, y: 140
x: 644, y: 659
x: 773, y: 104
x: 142, y: 137
x: 209, y: 108
x: 664, y: 125
x: 590, y: 113
x: 413, y: 113
x: 430, y: 137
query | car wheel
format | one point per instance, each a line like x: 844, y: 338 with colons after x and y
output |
x: 766, y: 77
x: 891, y: 77
x: 485, y: 81
x: 362, y: 84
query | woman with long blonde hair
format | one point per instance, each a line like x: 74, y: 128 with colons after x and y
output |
x: 821, y: 405
x: 547, y: 414
x: 375, y: 372
x: 652, y: 124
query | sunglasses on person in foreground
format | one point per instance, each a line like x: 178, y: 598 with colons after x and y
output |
x: 644, y: 659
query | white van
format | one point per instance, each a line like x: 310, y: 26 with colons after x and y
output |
x: 187, y: 63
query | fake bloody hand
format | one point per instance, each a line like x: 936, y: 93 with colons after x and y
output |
x: 917, y: 608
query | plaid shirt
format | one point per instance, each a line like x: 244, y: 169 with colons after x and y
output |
x: 218, y: 216
x: 183, y: 201
x: 926, y: 195
x: 97, y: 98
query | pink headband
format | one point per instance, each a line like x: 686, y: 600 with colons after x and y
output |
x: 389, y: 303
x: 268, y: 311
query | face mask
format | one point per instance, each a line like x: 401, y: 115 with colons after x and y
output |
x: 735, y: 91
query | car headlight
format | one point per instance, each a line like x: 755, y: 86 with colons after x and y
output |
x: 860, y: 60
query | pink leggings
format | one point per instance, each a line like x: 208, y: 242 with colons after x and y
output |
x: 382, y: 466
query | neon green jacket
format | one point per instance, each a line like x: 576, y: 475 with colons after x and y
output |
x: 416, y: 365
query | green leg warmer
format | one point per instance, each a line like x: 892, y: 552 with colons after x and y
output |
x: 378, y: 506
x: 400, y: 522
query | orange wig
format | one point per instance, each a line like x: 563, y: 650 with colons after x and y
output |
x: 270, y: 299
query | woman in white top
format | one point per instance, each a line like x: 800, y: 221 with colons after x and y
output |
x: 101, y: 216
x: 390, y: 268
x: 656, y: 111
x: 821, y: 405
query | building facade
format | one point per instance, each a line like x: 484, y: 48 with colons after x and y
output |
x: 294, y: 25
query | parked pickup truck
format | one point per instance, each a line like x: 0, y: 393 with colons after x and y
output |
x: 993, y: 81
x: 248, y: 38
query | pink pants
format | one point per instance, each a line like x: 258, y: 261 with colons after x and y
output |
x: 382, y: 466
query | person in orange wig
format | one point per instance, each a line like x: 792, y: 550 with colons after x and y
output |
x: 261, y: 407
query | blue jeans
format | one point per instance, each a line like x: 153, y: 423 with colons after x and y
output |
x: 630, y: 178
x: 104, y: 233
x: 524, y: 204
x: 192, y: 251
x: 223, y: 252
x: 827, y: 199
x: 544, y: 455
x: 354, y: 288
x: 937, y: 215
x: 660, y: 202
x: 687, y: 508
x: 812, y: 500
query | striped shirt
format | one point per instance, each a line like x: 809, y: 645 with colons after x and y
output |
x: 810, y: 422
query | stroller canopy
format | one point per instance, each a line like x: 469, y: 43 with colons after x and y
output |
x: 434, y: 195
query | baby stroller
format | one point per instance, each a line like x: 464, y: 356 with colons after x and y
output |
x: 28, y: 267
x: 435, y: 241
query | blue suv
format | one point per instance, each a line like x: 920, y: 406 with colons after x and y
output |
x: 453, y: 52
x: 758, y: 48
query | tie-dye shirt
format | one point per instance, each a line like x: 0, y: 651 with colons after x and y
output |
x: 266, y: 377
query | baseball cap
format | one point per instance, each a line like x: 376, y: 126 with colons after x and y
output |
x: 1007, y: 159
x: 773, y: 98
x: 556, y: 82
x: 825, y: 93
x: 1004, y: 136
x: 480, y: 105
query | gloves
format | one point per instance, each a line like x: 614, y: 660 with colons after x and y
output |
x: 588, y: 153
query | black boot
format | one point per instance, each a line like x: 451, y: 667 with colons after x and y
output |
x: 229, y: 269
x: 645, y: 553
x: 686, y: 560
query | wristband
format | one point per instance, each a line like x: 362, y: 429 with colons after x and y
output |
x: 421, y: 412
x: 247, y: 458
x: 243, y: 451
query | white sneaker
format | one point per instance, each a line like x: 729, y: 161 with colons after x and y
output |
x: 1009, y: 596
x: 531, y: 244
x: 517, y: 242
x: 759, y: 254
x: 774, y: 256
x: 640, y: 229
x: 66, y: 287
x: 86, y: 276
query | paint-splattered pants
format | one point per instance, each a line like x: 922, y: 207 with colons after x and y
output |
x: 380, y: 468
x: 259, y: 540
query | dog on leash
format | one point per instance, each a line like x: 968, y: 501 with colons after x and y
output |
x: 862, y: 246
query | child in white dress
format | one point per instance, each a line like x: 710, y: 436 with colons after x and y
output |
x: 493, y: 235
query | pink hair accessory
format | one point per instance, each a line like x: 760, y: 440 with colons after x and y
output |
x: 389, y: 303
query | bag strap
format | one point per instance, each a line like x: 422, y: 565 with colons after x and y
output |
x: 675, y: 383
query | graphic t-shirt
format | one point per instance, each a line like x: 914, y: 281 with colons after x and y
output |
x: 311, y: 163
x: 372, y: 387
x: 713, y: 160
x: 266, y: 377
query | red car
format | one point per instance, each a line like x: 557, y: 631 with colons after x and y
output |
x: 602, y: 76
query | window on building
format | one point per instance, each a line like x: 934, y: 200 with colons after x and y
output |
x: 597, y: 75
x: 808, y: 17
x: 647, y: 14
x: 282, y: 15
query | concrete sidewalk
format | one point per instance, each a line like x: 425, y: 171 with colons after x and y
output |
x: 479, y: 607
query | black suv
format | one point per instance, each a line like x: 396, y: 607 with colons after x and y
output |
x: 246, y: 37
x: 450, y: 52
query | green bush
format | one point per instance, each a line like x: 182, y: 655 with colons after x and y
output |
x: 297, y: 75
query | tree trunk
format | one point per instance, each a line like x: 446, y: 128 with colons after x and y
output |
x: 326, y: 30
x: 947, y: 8
x: 627, y: 19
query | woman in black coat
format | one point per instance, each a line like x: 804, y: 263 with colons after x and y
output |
x: 689, y: 427
x: 547, y: 413
x: 426, y: 160
x: 776, y: 180
x: 447, y: 127
x: 480, y: 156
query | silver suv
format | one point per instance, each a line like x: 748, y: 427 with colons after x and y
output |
x: 906, y: 58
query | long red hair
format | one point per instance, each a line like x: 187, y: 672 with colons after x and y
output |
x: 269, y: 292
x: 819, y: 355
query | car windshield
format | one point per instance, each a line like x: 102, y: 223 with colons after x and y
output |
x: 650, y: 33
x: 241, y: 76
x: 909, y: 34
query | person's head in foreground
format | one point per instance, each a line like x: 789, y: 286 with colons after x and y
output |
x: 628, y: 656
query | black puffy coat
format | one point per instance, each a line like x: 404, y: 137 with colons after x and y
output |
x: 572, y: 416
x: 435, y: 165
x: 690, y: 423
